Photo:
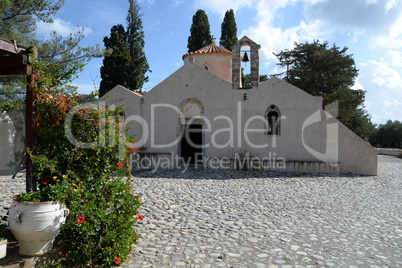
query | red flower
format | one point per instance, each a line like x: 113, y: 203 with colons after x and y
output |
x: 134, y: 142
x: 117, y: 260
x: 136, y: 147
x: 140, y: 217
x: 81, y: 219
x: 44, y: 181
x: 129, y: 148
x: 120, y: 164
x: 63, y: 254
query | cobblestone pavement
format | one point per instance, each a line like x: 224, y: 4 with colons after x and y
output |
x: 206, y: 218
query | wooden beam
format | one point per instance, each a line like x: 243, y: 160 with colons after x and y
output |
x: 15, y: 65
x: 15, y: 70
x: 10, y: 47
x: 29, y: 131
x: 12, y: 60
x: 19, y: 64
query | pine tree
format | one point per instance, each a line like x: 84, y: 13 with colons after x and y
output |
x: 326, y: 71
x: 113, y: 71
x: 18, y: 20
x: 228, y: 31
x: 317, y: 68
x: 138, y: 64
x: 200, y: 33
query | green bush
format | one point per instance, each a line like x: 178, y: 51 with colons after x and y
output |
x: 100, y: 228
x: 86, y: 150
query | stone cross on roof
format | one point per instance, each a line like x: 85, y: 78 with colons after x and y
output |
x: 212, y: 39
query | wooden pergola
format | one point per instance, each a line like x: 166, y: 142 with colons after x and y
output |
x: 15, y: 60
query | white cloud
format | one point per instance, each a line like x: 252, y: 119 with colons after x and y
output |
x: 222, y: 6
x: 274, y: 38
x: 383, y: 83
x: 176, y: 3
x: 271, y: 37
x: 384, y: 75
x: 378, y: 21
x: 61, y: 27
x: 151, y: 2
x: 392, y: 103
x: 390, y: 5
x: 393, y: 58
x: 358, y: 85
x: 391, y: 38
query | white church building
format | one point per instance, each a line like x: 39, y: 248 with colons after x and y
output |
x: 203, y: 115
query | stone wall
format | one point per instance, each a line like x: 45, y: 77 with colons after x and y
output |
x: 389, y: 151
x: 159, y: 161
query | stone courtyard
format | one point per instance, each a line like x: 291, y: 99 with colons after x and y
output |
x: 228, y: 218
x: 205, y: 218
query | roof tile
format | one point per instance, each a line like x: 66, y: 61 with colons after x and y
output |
x: 210, y: 49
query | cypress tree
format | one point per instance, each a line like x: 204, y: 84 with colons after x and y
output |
x: 228, y: 31
x: 200, y: 33
x: 138, y: 64
x: 113, y: 71
x: 127, y: 64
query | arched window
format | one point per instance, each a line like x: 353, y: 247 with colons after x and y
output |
x: 206, y: 67
x: 120, y: 115
x: 273, y: 117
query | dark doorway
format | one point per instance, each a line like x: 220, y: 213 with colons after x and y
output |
x: 191, y: 143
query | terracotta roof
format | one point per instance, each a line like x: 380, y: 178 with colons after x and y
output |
x: 210, y: 49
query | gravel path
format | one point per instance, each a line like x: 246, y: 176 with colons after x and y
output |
x: 206, y: 218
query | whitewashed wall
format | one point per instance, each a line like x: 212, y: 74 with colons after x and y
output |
x: 304, y: 126
x: 12, y: 144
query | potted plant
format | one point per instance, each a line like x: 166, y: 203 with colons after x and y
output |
x: 35, y: 218
x: 81, y: 159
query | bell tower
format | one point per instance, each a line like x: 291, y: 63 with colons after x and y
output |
x: 237, y: 58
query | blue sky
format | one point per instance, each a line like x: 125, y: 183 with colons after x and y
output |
x: 371, y: 29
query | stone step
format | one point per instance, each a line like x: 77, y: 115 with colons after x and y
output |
x: 14, y: 260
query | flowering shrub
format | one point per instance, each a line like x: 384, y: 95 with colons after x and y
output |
x: 94, y: 181
x: 50, y: 190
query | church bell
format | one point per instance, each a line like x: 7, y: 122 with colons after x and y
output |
x: 245, y: 57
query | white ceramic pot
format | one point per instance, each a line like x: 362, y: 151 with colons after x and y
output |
x: 36, y: 224
x: 3, y: 248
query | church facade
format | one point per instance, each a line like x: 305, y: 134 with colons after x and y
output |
x: 207, y: 115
